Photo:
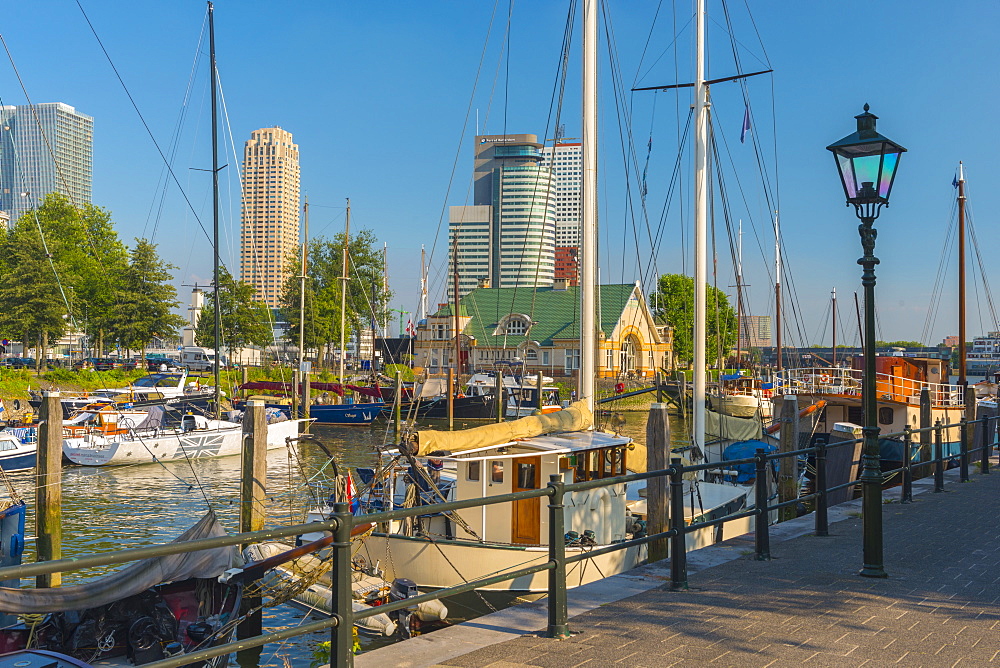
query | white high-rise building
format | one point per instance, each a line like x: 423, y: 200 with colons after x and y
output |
x: 44, y: 148
x: 507, y: 237
x: 565, y: 160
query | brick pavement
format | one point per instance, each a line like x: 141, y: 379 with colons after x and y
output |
x: 808, y: 606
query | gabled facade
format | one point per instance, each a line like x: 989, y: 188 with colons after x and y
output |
x: 541, y: 328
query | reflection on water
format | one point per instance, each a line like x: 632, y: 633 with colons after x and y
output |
x: 110, y: 508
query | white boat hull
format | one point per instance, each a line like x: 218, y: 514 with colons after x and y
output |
x: 97, y: 450
x: 446, y: 563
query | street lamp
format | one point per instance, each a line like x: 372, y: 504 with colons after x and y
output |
x: 867, y: 164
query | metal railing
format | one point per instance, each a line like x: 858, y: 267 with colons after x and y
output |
x: 841, y: 381
x: 342, y: 522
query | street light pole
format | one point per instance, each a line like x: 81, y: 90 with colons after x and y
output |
x: 867, y: 164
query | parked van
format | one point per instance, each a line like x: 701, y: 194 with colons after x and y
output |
x: 197, y: 358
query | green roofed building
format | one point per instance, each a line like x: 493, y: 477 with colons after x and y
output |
x: 541, y: 327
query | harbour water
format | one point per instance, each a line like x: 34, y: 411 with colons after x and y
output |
x: 110, y: 508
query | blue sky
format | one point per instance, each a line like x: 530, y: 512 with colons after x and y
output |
x: 380, y: 98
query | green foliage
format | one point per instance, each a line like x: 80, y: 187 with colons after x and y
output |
x: 366, y: 301
x: 898, y: 344
x: 146, y: 299
x: 674, y: 302
x: 405, y: 372
x: 245, y: 322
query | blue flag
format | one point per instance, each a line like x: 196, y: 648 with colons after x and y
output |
x: 746, y: 125
x: 954, y: 182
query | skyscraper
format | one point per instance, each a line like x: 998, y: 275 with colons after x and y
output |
x: 270, y: 217
x: 44, y: 148
x: 507, y: 236
x: 565, y: 160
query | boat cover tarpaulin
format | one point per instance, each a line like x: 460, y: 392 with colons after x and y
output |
x: 132, y: 579
x: 575, y: 418
x: 732, y: 428
x: 336, y: 388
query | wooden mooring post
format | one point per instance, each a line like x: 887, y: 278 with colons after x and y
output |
x: 295, y: 395
x: 253, y: 490
x: 788, y: 479
x: 657, y: 497
x: 48, y: 486
x: 926, y: 436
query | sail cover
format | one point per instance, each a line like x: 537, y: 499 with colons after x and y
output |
x: 133, y: 579
x: 575, y: 418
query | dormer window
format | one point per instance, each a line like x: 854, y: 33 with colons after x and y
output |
x: 516, y: 327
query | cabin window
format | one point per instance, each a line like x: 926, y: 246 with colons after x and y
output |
x: 526, y: 475
x: 473, y: 473
x: 497, y: 474
x: 885, y: 415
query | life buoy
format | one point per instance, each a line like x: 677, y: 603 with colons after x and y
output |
x: 825, y: 379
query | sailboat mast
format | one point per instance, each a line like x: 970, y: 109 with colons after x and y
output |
x: 700, y: 226
x: 739, y: 296
x: 422, y: 313
x: 962, y: 380
x: 302, y: 288
x: 458, y: 331
x: 215, y: 210
x: 344, y: 278
x: 588, y: 272
x: 385, y: 290
x: 834, y: 309
x: 777, y: 289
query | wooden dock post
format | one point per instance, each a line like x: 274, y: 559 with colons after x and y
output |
x: 253, y: 489
x: 306, y: 394
x: 788, y: 479
x: 926, y: 436
x: 48, y: 486
x: 657, y: 497
x: 540, y: 384
x: 397, y: 409
x: 501, y: 404
x: 295, y: 395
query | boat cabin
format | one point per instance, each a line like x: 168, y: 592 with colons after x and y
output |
x: 529, y: 464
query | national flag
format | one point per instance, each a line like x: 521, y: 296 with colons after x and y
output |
x: 410, y: 328
x: 746, y: 124
x: 954, y: 181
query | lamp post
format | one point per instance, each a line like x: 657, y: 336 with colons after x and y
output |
x: 867, y: 164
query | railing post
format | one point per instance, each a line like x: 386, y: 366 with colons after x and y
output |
x: 762, y: 540
x: 963, y: 452
x: 678, y: 542
x: 938, y: 458
x: 907, y: 495
x: 558, y: 614
x: 989, y: 424
x: 342, y: 635
x: 822, y: 521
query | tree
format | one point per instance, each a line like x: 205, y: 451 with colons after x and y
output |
x: 366, y: 300
x: 898, y: 344
x: 245, y: 322
x: 673, y: 301
x: 58, y: 262
x: 147, y: 299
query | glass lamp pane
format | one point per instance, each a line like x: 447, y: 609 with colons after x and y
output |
x: 866, y: 170
x: 847, y: 175
x: 889, y: 164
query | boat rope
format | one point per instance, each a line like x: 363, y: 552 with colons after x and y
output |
x: 433, y: 487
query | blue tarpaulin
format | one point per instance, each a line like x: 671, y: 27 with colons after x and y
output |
x: 743, y: 450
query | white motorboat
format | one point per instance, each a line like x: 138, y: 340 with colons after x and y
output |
x: 150, y: 440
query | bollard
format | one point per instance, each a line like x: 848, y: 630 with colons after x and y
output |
x: 989, y: 424
x: 558, y: 613
x: 907, y: 495
x: 678, y: 541
x: 761, y: 540
x: 963, y: 450
x: 822, y: 520
x: 48, y: 486
x: 938, y: 458
x: 342, y: 635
